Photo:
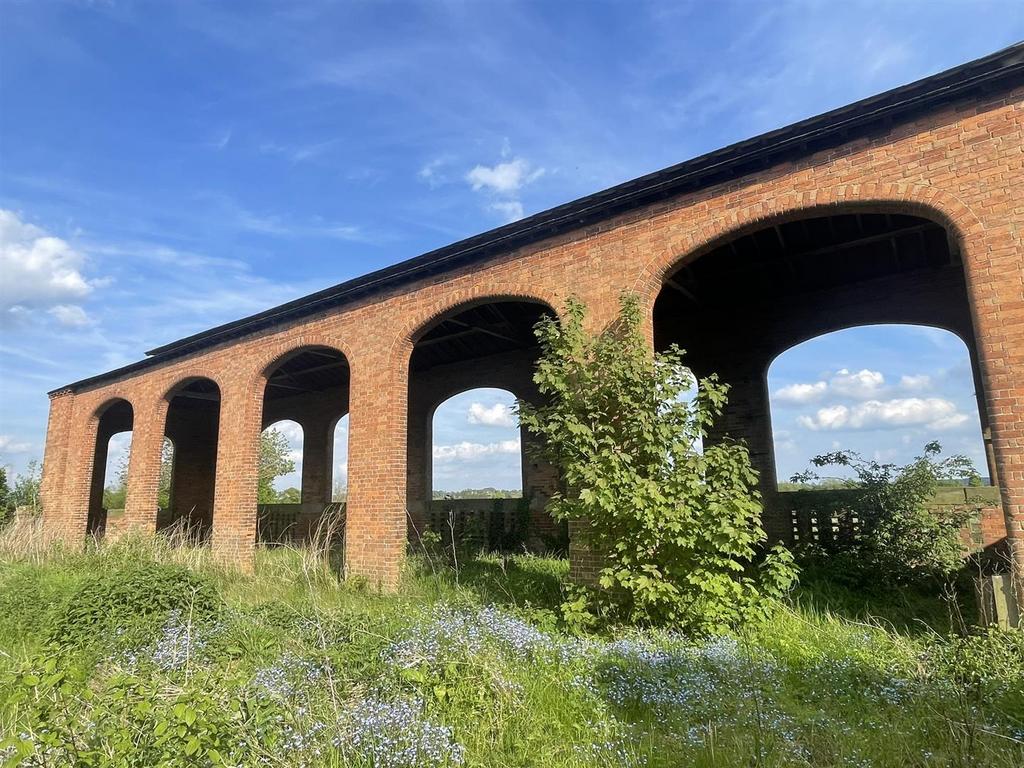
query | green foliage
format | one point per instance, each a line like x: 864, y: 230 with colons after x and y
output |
x: 283, y: 674
x: 6, y: 505
x: 133, y: 722
x: 137, y: 593
x: 274, y: 462
x: 900, y: 538
x: 680, y: 528
x: 289, y: 496
x: 25, y: 493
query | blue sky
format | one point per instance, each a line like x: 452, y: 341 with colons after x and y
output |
x: 167, y: 167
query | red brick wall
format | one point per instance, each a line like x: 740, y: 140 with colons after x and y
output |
x: 960, y: 166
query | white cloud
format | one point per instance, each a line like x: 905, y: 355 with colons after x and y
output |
x: 921, y: 381
x: 862, y: 384
x: 71, y: 315
x: 502, y: 182
x: 291, y: 430
x: 38, y: 270
x: 802, y: 393
x: 510, y: 210
x: 503, y: 178
x: 498, y: 415
x: 931, y: 412
x: 466, y: 451
x: 9, y: 444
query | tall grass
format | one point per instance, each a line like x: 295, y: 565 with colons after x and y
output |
x: 470, y: 667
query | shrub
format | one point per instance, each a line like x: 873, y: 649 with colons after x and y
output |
x: 900, y: 539
x: 137, y: 595
x: 679, y: 527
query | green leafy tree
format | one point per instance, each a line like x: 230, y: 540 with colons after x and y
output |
x: 900, y: 537
x: 290, y: 496
x: 6, y: 505
x: 274, y: 462
x: 680, y: 528
x: 26, y: 489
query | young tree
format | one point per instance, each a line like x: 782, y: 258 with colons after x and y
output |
x: 680, y: 528
x: 274, y: 462
x: 26, y: 489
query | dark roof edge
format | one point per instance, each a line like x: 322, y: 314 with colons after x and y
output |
x: 736, y: 160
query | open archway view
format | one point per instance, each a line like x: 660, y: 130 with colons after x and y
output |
x: 339, y: 485
x: 280, y: 473
x: 466, y: 370
x: 476, y: 449
x: 110, y: 466
x: 305, y: 396
x: 883, y: 391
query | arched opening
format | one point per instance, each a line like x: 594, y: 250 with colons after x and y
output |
x: 490, y: 345
x: 881, y: 390
x: 738, y: 304
x: 305, y: 396
x: 110, y: 465
x: 280, y: 475
x: 192, y: 428
x: 339, y: 486
x: 476, y: 447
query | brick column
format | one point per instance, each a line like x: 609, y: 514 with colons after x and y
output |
x: 140, y: 508
x: 317, y: 460
x: 237, y: 478
x: 375, y: 534
x: 419, y: 461
x: 995, y: 284
x: 95, y: 524
x: 69, y: 521
x: 55, y: 458
x: 747, y: 417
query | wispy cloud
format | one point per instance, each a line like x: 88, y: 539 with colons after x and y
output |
x: 9, y: 444
x: 468, y: 451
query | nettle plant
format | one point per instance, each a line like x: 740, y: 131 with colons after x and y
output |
x: 901, y: 538
x: 680, y: 528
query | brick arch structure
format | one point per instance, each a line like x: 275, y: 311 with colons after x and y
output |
x: 316, y: 411
x: 828, y: 329
x: 928, y: 202
x: 946, y: 148
x: 473, y: 296
x: 170, y: 390
x: 509, y: 370
x: 962, y: 226
x: 102, y: 428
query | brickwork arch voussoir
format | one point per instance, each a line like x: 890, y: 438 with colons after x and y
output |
x: 457, y: 300
x: 912, y: 199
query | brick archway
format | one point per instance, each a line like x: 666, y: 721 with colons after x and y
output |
x: 913, y: 199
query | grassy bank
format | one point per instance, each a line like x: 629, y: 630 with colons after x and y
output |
x: 141, y: 654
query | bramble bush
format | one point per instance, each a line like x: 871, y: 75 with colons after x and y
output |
x: 139, y: 593
x: 680, y: 527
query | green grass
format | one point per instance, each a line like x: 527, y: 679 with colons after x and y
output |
x: 469, y: 666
